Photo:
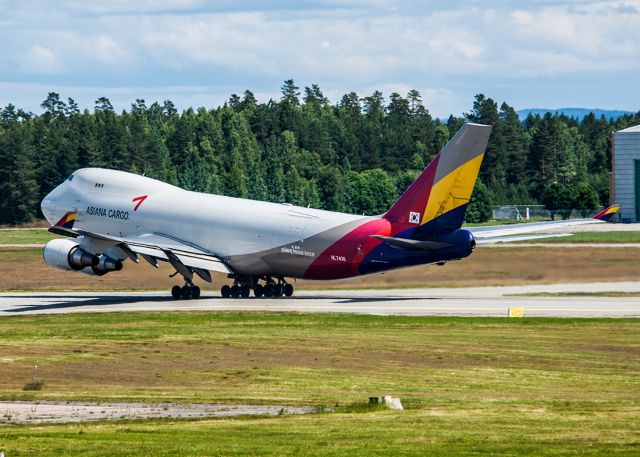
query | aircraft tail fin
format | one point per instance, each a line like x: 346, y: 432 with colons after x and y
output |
x: 440, y: 195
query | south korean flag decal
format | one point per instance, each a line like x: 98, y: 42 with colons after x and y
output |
x: 414, y: 218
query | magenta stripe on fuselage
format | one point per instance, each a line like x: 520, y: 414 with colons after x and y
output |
x: 342, y: 259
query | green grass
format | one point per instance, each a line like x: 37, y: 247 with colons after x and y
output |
x: 35, y: 236
x: 471, y: 386
x: 488, y: 430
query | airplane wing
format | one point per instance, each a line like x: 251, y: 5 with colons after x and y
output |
x: 522, y: 232
x: 153, y: 247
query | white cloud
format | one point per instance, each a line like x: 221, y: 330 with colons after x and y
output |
x: 107, y: 49
x: 128, y: 6
x: 450, y: 50
x: 363, y: 49
x: 39, y: 60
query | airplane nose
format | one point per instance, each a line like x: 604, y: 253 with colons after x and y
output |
x: 49, y: 207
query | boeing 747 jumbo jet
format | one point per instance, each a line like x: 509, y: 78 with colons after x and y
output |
x: 109, y: 216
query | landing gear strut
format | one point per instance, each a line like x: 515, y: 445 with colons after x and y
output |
x: 243, y: 285
x: 189, y: 290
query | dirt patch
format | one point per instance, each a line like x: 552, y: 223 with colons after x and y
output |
x: 23, y: 269
x: 60, y: 412
x: 168, y: 365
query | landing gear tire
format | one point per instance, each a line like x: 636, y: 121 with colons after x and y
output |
x: 225, y: 291
x: 269, y: 290
x: 244, y: 292
x: 277, y: 291
x: 186, y: 292
x: 176, y: 292
x: 235, y: 291
x: 258, y: 291
x: 287, y: 290
x: 195, y: 292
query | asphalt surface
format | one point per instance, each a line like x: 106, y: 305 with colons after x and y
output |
x: 476, y: 301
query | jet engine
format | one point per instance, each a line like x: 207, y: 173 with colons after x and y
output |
x: 105, y: 265
x: 66, y: 254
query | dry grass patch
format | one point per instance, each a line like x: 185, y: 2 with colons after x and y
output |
x: 24, y: 269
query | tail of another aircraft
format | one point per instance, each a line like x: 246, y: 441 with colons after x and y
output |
x: 438, y: 198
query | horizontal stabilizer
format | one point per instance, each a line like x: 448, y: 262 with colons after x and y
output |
x: 404, y: 243
x: 64, y: 231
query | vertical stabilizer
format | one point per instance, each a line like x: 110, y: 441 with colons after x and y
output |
x: 441, y: 193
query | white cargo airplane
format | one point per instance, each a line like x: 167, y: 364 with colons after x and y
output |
x: 109, y: 216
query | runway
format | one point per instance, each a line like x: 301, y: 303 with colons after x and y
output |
x: 473, y: 301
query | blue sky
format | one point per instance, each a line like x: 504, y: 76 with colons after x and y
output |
x: 531, y: 54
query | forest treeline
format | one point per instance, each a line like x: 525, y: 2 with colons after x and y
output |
x: 357, y: 155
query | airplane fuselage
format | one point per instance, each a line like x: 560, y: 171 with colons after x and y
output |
x: 252, y: 238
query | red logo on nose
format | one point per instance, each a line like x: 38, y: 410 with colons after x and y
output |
x: 139, y: 200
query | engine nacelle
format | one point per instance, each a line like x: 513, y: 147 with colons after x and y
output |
x: 105, y: 265
x: 66, y: 254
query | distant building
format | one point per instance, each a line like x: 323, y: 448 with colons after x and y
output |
x: 626, y: 173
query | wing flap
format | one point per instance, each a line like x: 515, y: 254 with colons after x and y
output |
x: 212, y: 264
x: 509, y: 233
x: 155, y: 245
x: 521, y: 229
x: 511, y: 239
x: 148, y: 251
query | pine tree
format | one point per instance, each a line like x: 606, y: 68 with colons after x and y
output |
x: 18, y: 185
x: 290, y: 93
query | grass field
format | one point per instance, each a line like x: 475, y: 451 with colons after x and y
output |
x: 471, y: 386
x: 31, y: 236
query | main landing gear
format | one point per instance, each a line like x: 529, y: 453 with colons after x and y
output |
x: 242, y: 287
x: 189, y: 290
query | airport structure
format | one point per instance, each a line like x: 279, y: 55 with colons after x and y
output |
x: 626, y: 173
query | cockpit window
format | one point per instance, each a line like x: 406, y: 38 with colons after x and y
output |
x: 70, y: 177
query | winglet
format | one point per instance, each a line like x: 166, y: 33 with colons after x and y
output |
x: 607, y: 213
x: 67, y: 220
